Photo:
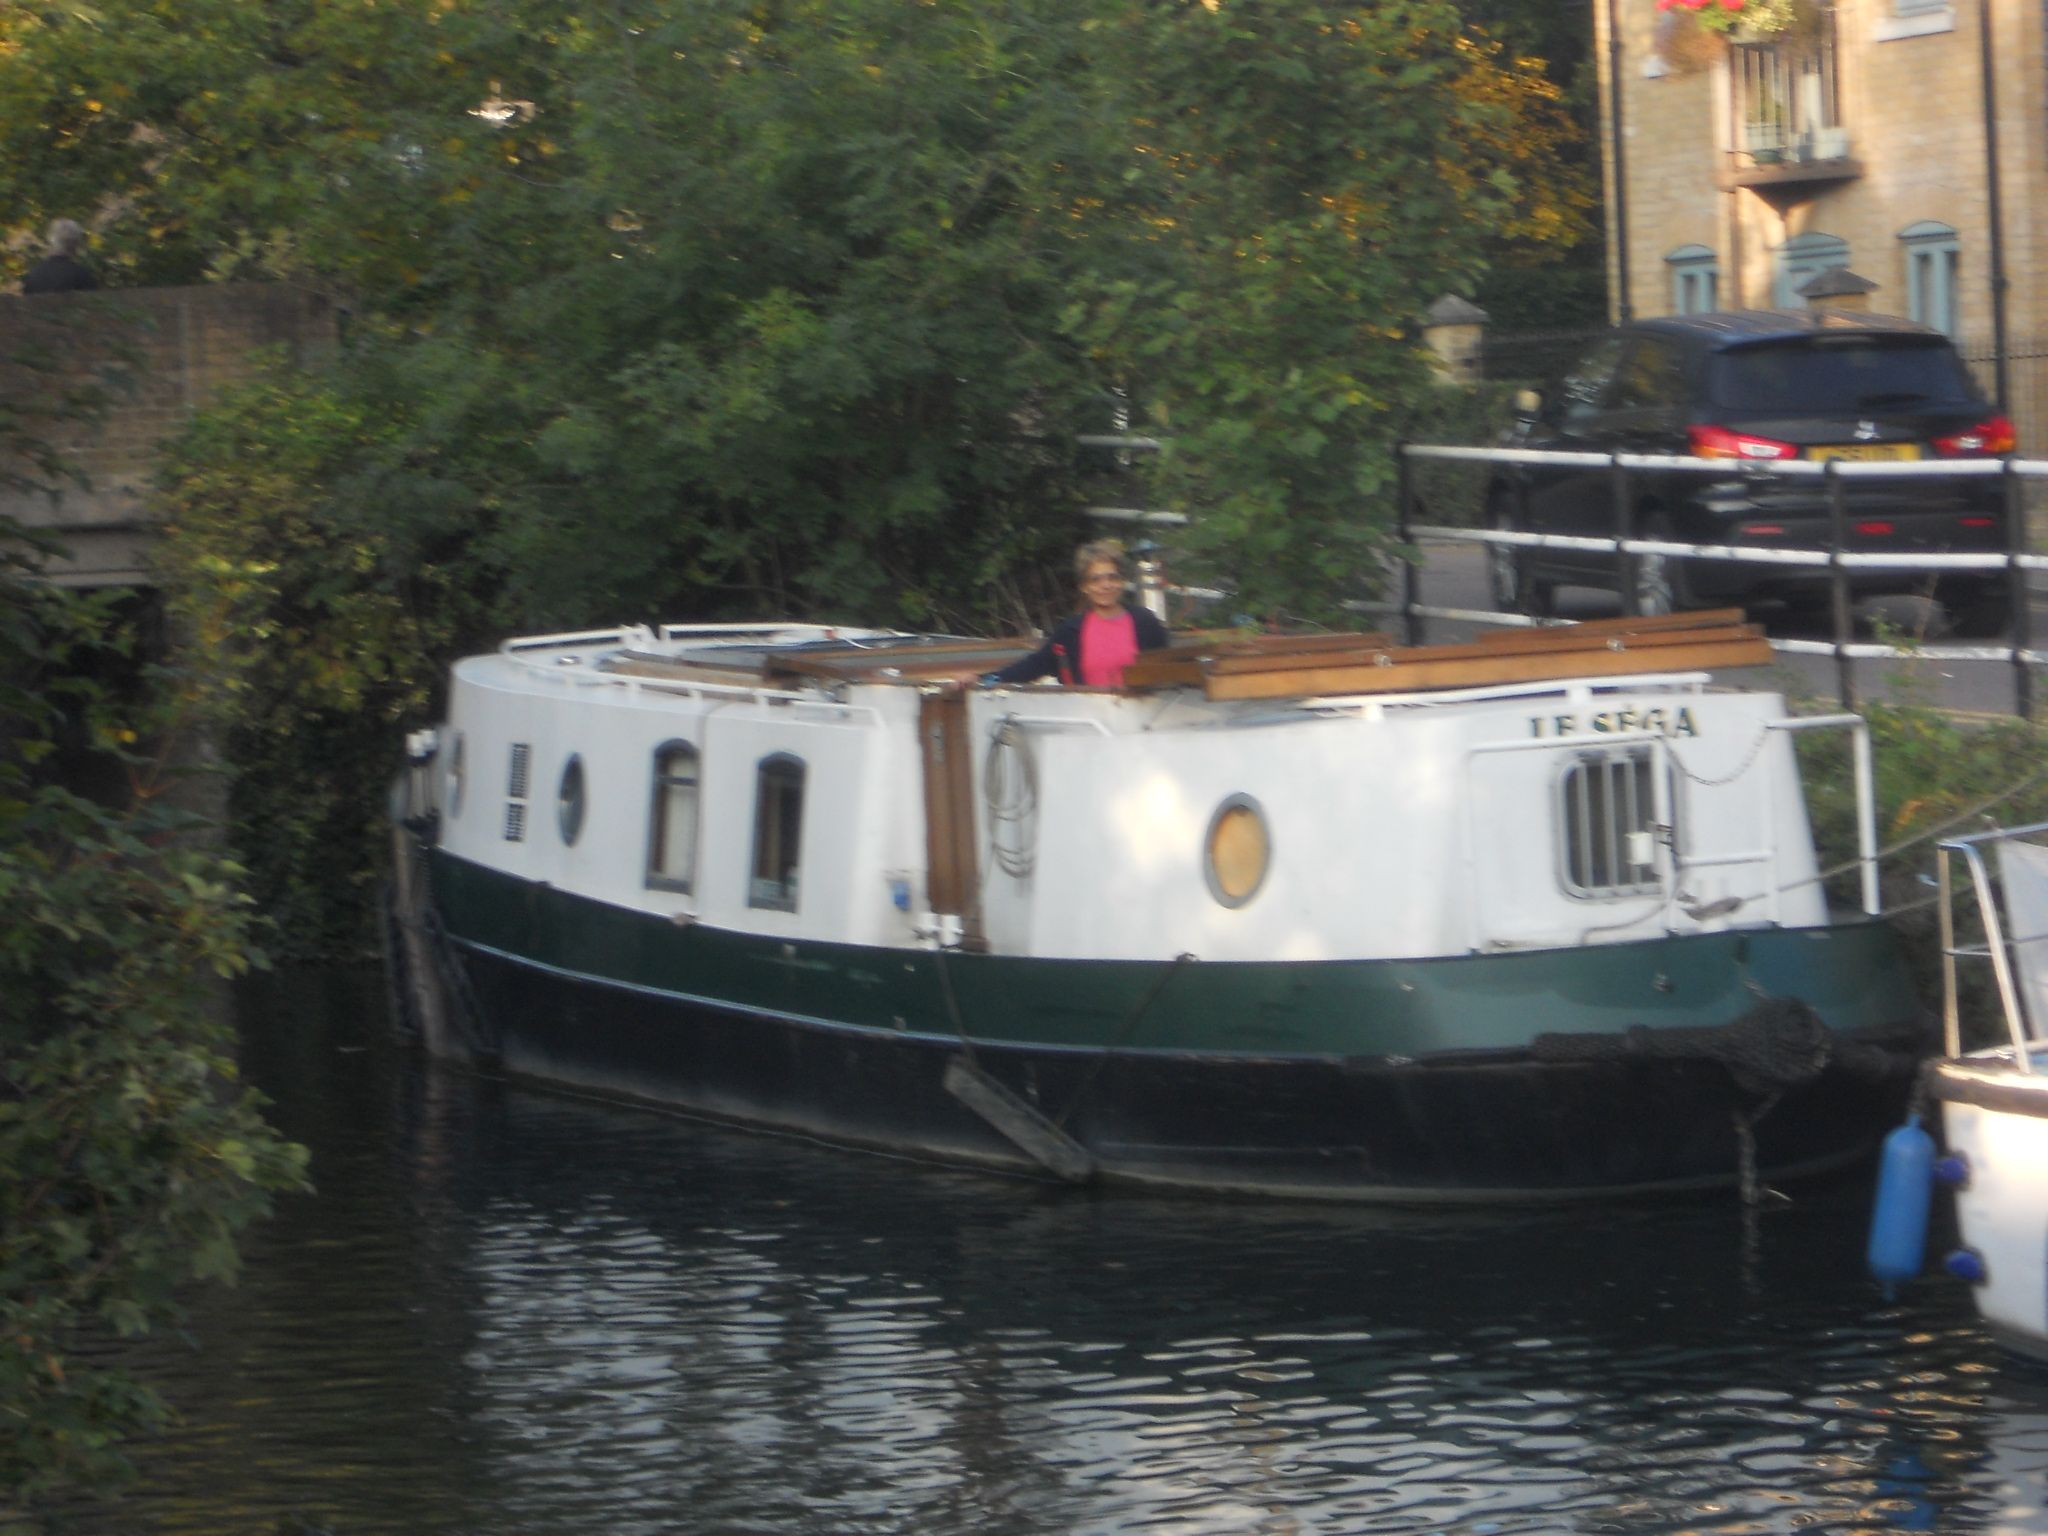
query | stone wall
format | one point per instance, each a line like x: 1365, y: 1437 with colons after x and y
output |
x: 158, y: 355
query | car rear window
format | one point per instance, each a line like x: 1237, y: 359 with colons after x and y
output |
x: 1844, y: 374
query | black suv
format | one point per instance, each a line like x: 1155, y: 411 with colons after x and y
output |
x: 1752, y: 386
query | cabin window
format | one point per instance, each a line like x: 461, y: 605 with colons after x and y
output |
x: 1607, y: 824
x: 569, y: 800
x: 672, y: 843
x: 517, y: 775
x: 1236, y: 851
x: 452, y: 789
x: 778, y: 832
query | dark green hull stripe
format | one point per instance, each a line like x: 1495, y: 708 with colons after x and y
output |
x: 1851, y: 973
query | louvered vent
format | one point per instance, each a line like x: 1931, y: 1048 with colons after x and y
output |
x: 515, y: 791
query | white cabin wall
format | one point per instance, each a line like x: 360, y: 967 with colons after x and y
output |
x: 1351, y: 823
x: 861, y: 816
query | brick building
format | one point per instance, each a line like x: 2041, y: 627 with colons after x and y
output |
x: 1880, y: 136
x: 154, y: 355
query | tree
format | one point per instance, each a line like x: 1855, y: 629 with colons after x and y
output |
x: 796, y: 306
x: 132, y: 1160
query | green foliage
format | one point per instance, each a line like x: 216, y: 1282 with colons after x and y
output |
x: 1934, y: 776
x: 132, y: 1159
x: 734, y: 307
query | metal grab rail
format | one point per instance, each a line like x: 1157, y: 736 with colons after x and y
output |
x: 1994, y: 942
x: 2016, y: 561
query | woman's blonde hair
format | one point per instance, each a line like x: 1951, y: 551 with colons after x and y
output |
x: 1097, y: 550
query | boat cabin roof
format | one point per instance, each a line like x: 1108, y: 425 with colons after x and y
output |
x: 1222, y: 666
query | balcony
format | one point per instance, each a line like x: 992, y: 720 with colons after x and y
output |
x: 1790, y: 138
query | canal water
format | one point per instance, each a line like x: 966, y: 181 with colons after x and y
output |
x: 507, y: 1311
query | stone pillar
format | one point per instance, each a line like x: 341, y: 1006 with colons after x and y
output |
x: 1837, y: 288
x: 1456, y: 332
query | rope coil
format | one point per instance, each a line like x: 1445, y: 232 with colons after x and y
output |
x: 1009, y: 791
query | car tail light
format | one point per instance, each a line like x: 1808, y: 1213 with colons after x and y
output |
x: 1978, y: 522
x: 1721, y: 443
x: 1990, y: 437
x: 1764, y: 531
x: 1876, y: 530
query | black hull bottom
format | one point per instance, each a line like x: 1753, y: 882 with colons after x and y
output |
x: 1449, y: 1129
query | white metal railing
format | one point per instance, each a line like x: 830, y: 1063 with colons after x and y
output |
x: 1841, y: 562
x: 1995, y: 942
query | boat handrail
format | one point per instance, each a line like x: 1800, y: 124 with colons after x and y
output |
x: 1368, y: 704
x: 1866, y: 792
x: 618, y: 635
x: 741, y: 691
x: 1055, y: 722
x: 582, y: 677
x: 1996, y: 945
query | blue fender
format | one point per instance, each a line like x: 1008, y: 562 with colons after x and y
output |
x: 1898, y: 1218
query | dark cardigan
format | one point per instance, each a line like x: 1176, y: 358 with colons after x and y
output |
x: 1060, y: 656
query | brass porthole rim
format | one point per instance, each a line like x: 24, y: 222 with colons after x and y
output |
x: 1229, y: 803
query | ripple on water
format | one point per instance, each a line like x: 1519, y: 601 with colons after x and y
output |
x: 511, y: 1313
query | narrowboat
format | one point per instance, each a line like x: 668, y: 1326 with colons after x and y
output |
x: 1533, y: 917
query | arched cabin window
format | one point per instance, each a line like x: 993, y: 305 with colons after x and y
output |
x: 778, y: 832
x: 672, y: 836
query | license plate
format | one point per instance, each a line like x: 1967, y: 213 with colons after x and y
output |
x: 1865, y: 451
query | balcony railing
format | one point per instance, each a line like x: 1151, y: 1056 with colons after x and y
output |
x: 1788, y: 103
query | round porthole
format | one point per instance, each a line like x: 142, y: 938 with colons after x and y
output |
x: 1237, y: 851
x: 453, y: 789
x: 569, y: 801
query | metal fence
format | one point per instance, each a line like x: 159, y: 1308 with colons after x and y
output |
x: 1841, y: 563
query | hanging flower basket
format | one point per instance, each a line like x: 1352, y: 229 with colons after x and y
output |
x: 1745, y: 21
x: 1686, y: 46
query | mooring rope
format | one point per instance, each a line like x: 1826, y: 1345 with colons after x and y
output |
x: 1009, y: 789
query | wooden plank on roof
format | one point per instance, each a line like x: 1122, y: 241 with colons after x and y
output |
x: 1416, y: 671
x: 1239, y: 643
x: 1562, y: 640
x: 908, y: 663
x: 674, y: 669
x: 1599, y: 631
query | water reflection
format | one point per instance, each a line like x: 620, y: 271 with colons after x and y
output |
x: 509, y: 1312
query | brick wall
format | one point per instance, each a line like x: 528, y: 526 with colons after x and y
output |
x: 159, y: 354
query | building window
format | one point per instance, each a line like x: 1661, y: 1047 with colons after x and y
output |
x: 1607, y: 824
x: 1933, y: 256
x: 1919, y: 7
x: 1695, y: 280
x: 778, y: 832
x: 1803, y: 257
x: 672, y: 844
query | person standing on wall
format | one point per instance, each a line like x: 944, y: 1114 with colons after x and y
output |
x: 61, y: 271
x: 1091, y: 648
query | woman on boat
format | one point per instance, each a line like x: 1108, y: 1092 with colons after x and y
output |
x: 1092, y: 647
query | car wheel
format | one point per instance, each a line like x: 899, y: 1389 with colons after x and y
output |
x: 1508, y: 580
x: 1981, y: 613
x: 1660, y: 580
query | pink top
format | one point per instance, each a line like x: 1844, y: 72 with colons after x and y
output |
x: 1108, y: 645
